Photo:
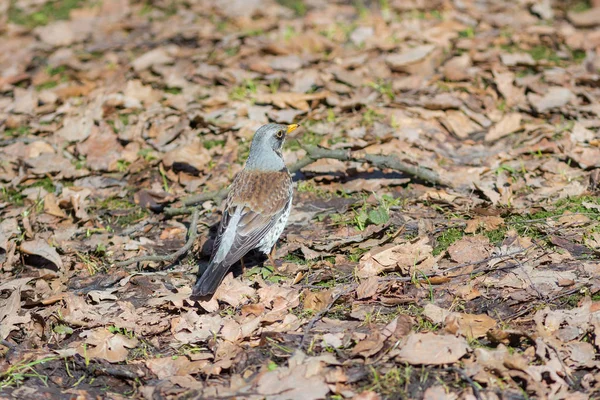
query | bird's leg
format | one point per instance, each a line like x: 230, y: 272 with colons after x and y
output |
x: 271, y: 256
x: 243, y: 265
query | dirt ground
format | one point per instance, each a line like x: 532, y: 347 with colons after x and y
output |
x: 444, y: 241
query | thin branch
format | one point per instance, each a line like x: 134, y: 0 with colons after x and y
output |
x: 8, y: 344
x: 315, y: 153
x: 390, y: 161
x: 467, y: 379
x: 192, y: 234
x: 322, y: 313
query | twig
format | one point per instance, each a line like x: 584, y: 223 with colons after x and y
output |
x: 551, y: 299
x: 315, y: 153
x: 192, y: 234
x: 467, y: 264
x: 8, y: 344
x: 322, y: 313
x: 467, y: 379
x: 118, y: 372
x: 201, y: 197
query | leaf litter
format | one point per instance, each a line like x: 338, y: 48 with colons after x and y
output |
x: 454, y: 256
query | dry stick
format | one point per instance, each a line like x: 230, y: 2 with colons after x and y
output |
x: 467, y: 264
x: 467, y: 379
x: 551, y: 299
x: 315, y: 153
x: 192, y: 234
x: 322, y: 313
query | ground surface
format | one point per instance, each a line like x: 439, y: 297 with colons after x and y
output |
x: 476, y: 278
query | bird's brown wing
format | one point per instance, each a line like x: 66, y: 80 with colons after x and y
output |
x: 255, y: 203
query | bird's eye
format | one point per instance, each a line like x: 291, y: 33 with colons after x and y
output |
x: 279, y: 134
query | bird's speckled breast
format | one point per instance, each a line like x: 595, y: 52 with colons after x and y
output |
x: 267, y: 243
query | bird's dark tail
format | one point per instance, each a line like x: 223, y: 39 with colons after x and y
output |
x: 210, y: 280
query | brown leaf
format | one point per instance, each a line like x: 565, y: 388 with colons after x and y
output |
x: 166, y: 367
x: 234, y: 291
x: 367, y: 288
x: 51, y: 206
x: 409, y: 58
x: 555, y: 97
x: 302, y: 380
x: 370, y: 345
x: 109, y: 346
x: 471, y: 326
x: 9, y: 314
x: 42, y: 249
x: 317, y: 301
x: 158, y: 56
x: 510, y: 123
x: 191, y: 155
x: 438, y: 392
x: 470, y: 249
x: 102, y: 149
x: 432, y: 349
x: 585, y: 19
x: 290, y: 99
x: 367, y: 395
x: 391, y: 257
x: 487, y: 223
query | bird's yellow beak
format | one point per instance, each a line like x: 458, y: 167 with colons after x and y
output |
x: 292, y: 127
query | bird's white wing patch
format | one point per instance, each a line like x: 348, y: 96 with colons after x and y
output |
x: 228, y: 236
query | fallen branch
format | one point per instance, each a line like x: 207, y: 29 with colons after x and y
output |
x: 322, y: 313
x: 192, y: 234
x: 467, y: 379
x: 7, y: 344
x: 315, y: 153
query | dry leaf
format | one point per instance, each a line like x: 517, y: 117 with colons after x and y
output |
x: 290, y: 99
x: 41, y: 249
x: 317, y: 301
x: 109, y: 346
x: 432, y: 349
x: 367, y: 288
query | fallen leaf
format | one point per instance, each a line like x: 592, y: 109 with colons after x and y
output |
x: 41, y: 249
x: 367, y: 288
x: 166, y: 367
x: 189, y: 155
x: 109, y: 346
x: 432, y: 349
x: 470, y: 249
x: 555, y: 97
x: 290, y: 99
x: 510, y: 123
x: 303, y: 379
x: 317, y: 301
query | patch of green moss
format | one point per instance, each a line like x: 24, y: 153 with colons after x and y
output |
x: 15, y: 132
x: 117, y: 205
x: 297, y: 6
x: 45, y: 183
x: 544, y: 53
x: 11, y: 196
x: 49, y: 12
x: 209, y: 144
x: 581, y: 6
x: 446, y: 238
x: 578, y: 56
x: 173, y: 90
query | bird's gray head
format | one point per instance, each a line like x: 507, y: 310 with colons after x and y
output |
x: 265, y: 150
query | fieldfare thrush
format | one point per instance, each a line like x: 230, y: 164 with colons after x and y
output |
x: 256, y: 210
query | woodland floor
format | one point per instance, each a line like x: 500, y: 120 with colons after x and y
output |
x: 471, y: 274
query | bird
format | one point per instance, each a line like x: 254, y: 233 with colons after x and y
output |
x: 256, y: 210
